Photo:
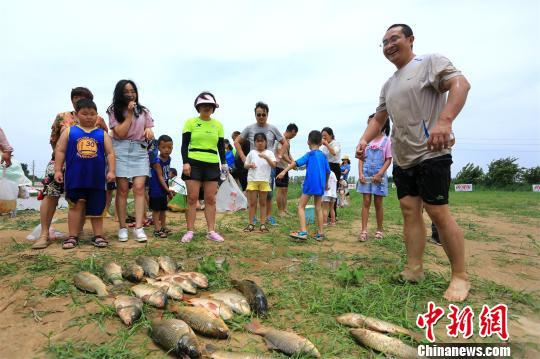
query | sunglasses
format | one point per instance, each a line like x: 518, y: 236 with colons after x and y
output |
x: 260, y: 115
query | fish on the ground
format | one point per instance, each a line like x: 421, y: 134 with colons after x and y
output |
x: 217, y: 307
x: 185, y: 283
x: 176, y: 336
x: 128, y: 308
x: 173, y: 290
x: 90, y: 283
x: 215, y: 353
x: 133, y: 273
x: 199, y: 279
x: 233, y: 299
x: 254, y: 295
x: 150, y: 266
x: 167, y: 264
x: 356, y: 320
x: 202, y: 321
x: 287, y: 342
x: 384, y: 344
x: 113, y: 272
x: 154, y: 296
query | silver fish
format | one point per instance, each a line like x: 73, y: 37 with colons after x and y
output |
x: 150, y: 266
x: 217, y: 307
x: 176, y: 336
x: 173, y: 290
x: 202, y: 321
x: 356, y: 320
x: 90, y: 283
x: 215, y: 353
x: 128, y: 308
x: 167, y: 264
x: 383, y: 343
x: 286, y: 342
x: 233, y: 299
x: 200, y: 280
x: 113, y: 272
x: 185, y: 283
x: 150, y: 294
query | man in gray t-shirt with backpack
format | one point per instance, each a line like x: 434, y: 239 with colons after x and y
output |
x: 272, y: 136
x: 415, y: 99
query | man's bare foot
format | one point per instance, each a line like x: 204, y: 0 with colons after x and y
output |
x: 413, y: 275
x: 458, y: 289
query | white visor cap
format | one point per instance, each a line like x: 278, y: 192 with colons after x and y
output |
x: 206, y: 99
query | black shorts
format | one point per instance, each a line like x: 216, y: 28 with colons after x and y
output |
x: 282, y: 182
x: 94, y: 198
x: 202, y: 171
x: 430, y: 179
x: 158, y: 203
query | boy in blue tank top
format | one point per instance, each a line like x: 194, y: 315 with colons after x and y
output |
x: 315, y: 183
x: 159, y: 192
x: 89, y: 157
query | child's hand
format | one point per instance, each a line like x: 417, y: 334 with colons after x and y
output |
x: 324, y: 142
x: 58, y: 177
x: 281, y: 175
x: 377, y: 178
x: 170, y: 194
x: 111, y: 177
x: 252, y: 165
x: 362, y: 179
x: 262, y: 155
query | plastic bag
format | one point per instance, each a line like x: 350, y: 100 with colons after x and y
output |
x: 8, y: 194
x: 230, y: 196
x: 15, y: 174
x: 178, y: 203
x: 178, y: 185
x: 24, y: 193
x: 53, y: 234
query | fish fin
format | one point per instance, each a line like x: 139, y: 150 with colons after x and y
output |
x: 254, y: 327
x: 270, y: 345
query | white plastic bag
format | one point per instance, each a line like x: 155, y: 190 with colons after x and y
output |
x: 230, y: 196
x: 24, y: 193
x: 8, y: 194
x: 53, y: 234
x: 178, y: 185
x: 15, y: 174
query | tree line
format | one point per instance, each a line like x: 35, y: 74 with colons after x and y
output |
x: 501, y: 173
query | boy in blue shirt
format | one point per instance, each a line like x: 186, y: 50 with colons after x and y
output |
x: 88, y: 153
x: 159, y: 191
x: 315, y: 183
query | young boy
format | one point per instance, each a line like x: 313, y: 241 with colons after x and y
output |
x: 159, y: 191
x: 315, y: 183
x: 88, y: 153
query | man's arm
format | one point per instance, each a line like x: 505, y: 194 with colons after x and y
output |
x: 458, y: 87
x: 373, y: 129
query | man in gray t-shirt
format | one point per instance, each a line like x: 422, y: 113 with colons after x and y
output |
x: 415, y: 99
x: 272, y: 136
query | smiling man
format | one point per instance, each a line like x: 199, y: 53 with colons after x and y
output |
x: 415, y: 99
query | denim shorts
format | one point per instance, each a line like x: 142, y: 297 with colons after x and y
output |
x: 131, y: 158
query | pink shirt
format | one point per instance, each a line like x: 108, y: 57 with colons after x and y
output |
x: 387, y: 150
x: 138, y: 125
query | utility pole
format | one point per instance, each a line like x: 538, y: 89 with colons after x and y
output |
x: 33, y: 167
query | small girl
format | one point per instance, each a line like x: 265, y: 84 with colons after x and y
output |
x: 373, y: 178
x: 259, y: 163
x: 329, y: 197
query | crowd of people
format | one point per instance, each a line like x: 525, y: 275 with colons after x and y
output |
x: 90, y: 160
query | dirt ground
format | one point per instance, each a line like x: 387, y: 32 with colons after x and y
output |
x: 29, y: 320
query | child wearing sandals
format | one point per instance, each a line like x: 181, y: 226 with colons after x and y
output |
x: 259, y: 163
x: 373, y: 178
x: 315, y: 184
x: 88, y: 153
x: 159, y: 192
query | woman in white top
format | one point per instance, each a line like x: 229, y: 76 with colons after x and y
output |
x: 332, y: 150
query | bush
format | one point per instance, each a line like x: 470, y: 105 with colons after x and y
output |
x: 503, y: 172
x: 531, y: 175
x: 470, y: 174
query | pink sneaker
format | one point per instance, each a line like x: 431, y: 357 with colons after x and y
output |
x: 214, y: 236
x: 186, y: 238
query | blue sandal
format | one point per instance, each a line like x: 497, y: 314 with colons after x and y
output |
x: 299, y: 235
x: 319, y: 237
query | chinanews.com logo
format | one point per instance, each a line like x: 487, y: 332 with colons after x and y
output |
x: 492, y: 321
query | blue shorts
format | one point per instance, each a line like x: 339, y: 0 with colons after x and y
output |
x: 94, y: 198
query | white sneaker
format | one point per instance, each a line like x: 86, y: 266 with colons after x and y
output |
x: 123, y: 234
x: 139, y: 234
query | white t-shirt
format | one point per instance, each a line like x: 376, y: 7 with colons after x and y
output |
x: 332, y: 184
x: 263, y: 170
x: 337, y: 150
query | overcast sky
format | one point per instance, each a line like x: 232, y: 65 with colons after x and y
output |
x: 316, y: 63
